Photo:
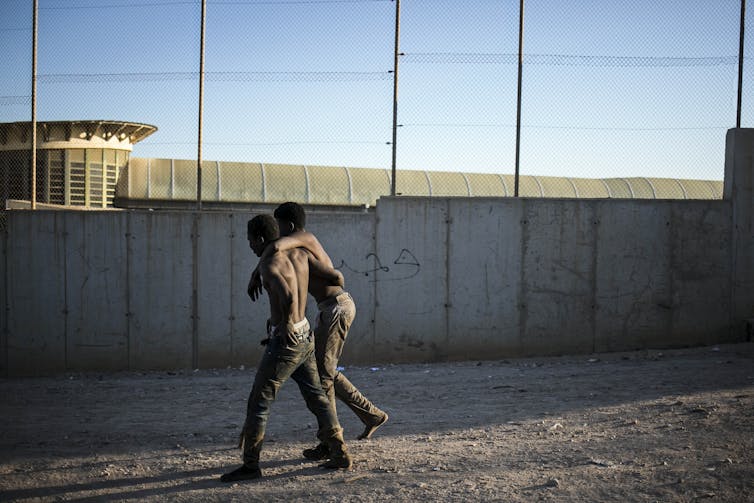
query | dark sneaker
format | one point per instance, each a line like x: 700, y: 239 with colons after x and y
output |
x: 342, y: 461
x: 317, y: 453
x: 243, y: 473
x: 371, y: 428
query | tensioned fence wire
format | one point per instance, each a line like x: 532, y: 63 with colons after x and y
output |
x: 194, y: 3
x: 15, y: 100
x: 216, y: 77
x: 569, y: 60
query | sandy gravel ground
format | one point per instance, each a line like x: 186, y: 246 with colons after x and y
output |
x: 646, y: 426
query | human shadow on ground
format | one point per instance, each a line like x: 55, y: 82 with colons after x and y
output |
x: 209, y: 478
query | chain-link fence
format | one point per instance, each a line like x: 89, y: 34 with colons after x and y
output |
x: 618, y: 99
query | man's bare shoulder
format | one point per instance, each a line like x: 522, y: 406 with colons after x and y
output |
x: 298, y: 255
x: 274, y: 262
x: 306, y: 237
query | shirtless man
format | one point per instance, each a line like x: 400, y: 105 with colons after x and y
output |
x: 336, y: 313
x: 289, y: 351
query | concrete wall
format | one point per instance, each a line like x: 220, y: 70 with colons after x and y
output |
x: 507, y: 277
x: 433, y: 279
x: 115, y: 290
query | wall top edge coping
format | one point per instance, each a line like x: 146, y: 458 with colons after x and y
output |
x: 548, y: 199
x: 174, y: 211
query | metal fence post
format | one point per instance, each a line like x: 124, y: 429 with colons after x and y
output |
x: 201, y: 110
x: 34, y: 108
x: 740, y: 62
x: 395, y: 91
x: 518, y: 102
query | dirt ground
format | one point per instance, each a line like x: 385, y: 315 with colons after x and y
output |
x: 674, y: 425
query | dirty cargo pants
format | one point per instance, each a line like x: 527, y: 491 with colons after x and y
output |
x: 336, y: 313
x: 279, y: 362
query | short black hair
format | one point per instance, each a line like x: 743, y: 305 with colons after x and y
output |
x: 265, y: 226
x: 292, y: 212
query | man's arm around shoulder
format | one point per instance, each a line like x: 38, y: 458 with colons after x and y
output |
x: 331, y: 275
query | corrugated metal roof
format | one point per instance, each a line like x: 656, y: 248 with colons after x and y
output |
x: 169, y: 179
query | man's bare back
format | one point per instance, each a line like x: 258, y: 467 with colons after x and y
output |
x: 321, y: 287
x: 285, y: 276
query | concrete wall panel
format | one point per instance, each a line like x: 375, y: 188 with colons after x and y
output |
x: 96, y: 291
x: 485, y: 236
x: 215, y: 288
x: 557, y: 267
x: 701, y: 274
x: 633, y: 289
x: 160, y: 290
x: 36, y: 299
x: 409, y: 275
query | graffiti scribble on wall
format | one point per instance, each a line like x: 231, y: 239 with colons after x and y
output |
x: 405, y: 266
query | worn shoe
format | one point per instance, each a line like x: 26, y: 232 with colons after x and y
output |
x: 371, y: 428
x: 317, y: 453
x: 342, y: 461
x: 242, y: 473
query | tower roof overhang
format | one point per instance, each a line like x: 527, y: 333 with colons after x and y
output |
x: 117, y: 135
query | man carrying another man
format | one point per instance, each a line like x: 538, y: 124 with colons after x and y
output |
x: 336, y: 313
x: 289, y: 350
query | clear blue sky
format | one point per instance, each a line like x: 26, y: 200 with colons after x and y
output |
x: 610, y: 88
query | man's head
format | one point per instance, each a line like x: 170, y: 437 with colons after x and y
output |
x: 290, y: 217
x: 261, y: 231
